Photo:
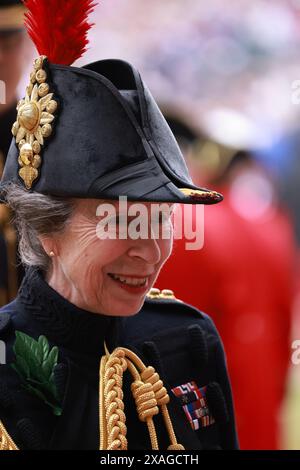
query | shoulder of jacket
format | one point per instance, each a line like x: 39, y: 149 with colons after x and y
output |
x: 165, y: 300
x: 164, y: 314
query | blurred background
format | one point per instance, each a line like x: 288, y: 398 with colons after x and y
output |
x: 227, y: 77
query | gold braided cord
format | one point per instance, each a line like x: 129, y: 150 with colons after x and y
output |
x: 149, y: 394
x: 148, y: 391
x: 111, y: 407
x: 145, y: 401
x: 149, y: 375
x: 146, y: 406
x: 6, y: 442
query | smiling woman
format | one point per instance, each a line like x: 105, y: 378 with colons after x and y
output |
x: 90, y: 345
x: 93, y: 272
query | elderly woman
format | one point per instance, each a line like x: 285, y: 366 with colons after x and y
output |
x: 96, y: 358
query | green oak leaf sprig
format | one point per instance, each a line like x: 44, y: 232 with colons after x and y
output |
x: 35, y: 363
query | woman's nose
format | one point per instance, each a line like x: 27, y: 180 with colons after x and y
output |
x: 146, y: 249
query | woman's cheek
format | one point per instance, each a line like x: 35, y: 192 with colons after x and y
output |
x: 91, y: 281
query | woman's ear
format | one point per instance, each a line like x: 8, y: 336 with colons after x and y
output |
x: 48, y: 245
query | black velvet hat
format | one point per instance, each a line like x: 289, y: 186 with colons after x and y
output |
x: 11, y: 16
x: 96, y: 132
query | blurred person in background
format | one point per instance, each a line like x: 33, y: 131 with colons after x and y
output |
x: 242, y: 277
x: 13, y: 42
x: 283, y: 159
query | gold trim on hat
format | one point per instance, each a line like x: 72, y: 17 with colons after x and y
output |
x: 200, y: 194
x: 34, y: 122
x: 12, y: 17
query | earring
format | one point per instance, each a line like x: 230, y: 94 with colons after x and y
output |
x: 51, y: 254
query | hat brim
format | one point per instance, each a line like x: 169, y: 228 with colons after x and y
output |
x: 145, y: 181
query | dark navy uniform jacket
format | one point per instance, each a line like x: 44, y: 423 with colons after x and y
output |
x: 178, y: 340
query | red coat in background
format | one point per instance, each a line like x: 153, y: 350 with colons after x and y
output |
x: 243, y: 278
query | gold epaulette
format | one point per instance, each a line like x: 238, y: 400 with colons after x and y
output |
x: 155, y: 293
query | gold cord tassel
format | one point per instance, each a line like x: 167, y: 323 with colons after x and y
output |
x: 148, y: 391
x: 6, y: 442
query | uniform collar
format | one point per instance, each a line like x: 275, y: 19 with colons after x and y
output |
x: 62, y: 322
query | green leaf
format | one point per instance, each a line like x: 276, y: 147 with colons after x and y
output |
x: 44, y: 345
x: 22, y: 366
x: 47, y: 369
x: 53, y: 356
x: 35, y: 364
x: 35, y: 367
x: 49, y: 364
x: 19, y: 346
x: 36, y: 350
x: 52, y: 386
x: 25, y: 347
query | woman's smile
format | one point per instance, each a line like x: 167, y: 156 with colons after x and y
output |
x: 134, y: 284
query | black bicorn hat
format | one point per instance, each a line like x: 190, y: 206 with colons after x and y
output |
x: 95, y: 132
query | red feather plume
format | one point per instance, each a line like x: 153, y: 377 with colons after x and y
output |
x: 59, y: 28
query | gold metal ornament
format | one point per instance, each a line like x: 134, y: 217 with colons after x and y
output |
x: 155, y: 293
x: 200, y: 194
x: 34, y: 122
x: 6, y: 442
x: 167, y: 294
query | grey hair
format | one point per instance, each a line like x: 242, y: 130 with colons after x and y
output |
x: 34, y: 215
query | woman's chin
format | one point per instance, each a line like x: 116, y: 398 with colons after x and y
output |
x: 126, y: 311
x: 119, y: 309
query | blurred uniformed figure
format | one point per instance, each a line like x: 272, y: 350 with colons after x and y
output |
x: 122, y: 366
x: 12, y: 44
x: 244, y: 278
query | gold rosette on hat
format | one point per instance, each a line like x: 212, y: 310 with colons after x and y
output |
x: 34, y: 122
